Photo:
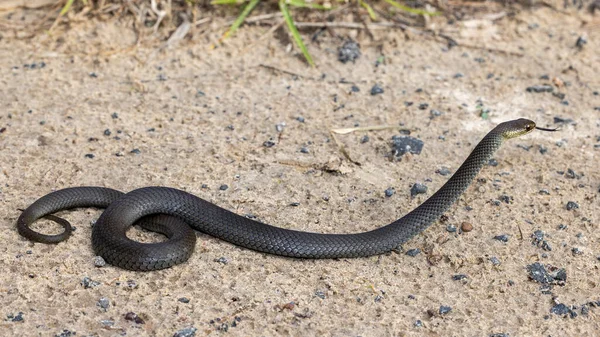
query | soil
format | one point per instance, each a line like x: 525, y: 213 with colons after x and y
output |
x: 89, y: 106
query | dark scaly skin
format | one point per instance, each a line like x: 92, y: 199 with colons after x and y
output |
x: 110, y: 242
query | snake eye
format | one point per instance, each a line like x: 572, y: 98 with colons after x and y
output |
x: 529, y: 127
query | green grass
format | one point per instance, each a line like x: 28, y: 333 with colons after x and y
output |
x: 284, y: 7
x: 287, y: 16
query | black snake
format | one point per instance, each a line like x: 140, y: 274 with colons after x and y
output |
x: 171, y: 212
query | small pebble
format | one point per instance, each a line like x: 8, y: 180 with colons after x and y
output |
x: 495, y: 261
x: 89, y: 283
x: 376, y: 90
x: 466, y: 227
x: 107, y: 132
x: 423, y: 106
x: 435, y: 113
x: 581, y: 41
x: 540, y: 88
x: 444, y: 309
x: 300, y: 119
x: 540, y: 274
x: 576, y: 251
x: 349, y: 51
x: 103, y: 303
x: 132, y: 316
x: 364, y: 139
x: 16, y: 318
x: 503, y: 237
x: 320, y: 294
x: 405, y: 144
x: 223, y: 187
x: 560, y: 309
x: 304, y: 149
x: 184, y: 300
x: 413, y: 252
x: 389, y: 192
x: 417, y: 189
x: 459, y: 277
x: 107, y: 322
x: 222, y: 260
x: 572, y: 205
x: 451, y: 228
x: 99, y: 261
x: 268, y: 143
x: 443, y: 171
x: 135, y: 151
x: 493, y: 162
x: 89, y: 155
x: 187, y: 332
x: 354, y: 88
x: 418, y: 323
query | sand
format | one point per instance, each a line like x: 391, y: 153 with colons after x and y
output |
x: 85, y: 106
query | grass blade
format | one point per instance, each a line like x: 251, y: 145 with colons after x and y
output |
x: 65, y: 9
x: 369, y: 10
x: 290, y: 23
x: 411, y: 10
x: 240, y: 19
x: 303, y: 4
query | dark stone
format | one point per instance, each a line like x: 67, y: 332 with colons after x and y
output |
x: 444, y: 309
x: 187, y: 332
x: 349, y: 51
x: 268, y: 143
x: 443, y: 171
x: 572, y: 205
x: 223, y: 187
x: 503, y: 237
x: 99, y: 261
x: 540, y: 88
x: 560, y: 309
x: 389, y: 192
x: 376, y: 90
x: 459, y: 277
x: 417, y: 189
x: 581, y: 41
x: 103, y: 303
x: 413, y: 252
x: 404, y: 144
x: 550, y: 276
x: 222, y: 260
x: 132, y: 316
x: 89, y: 283
x: 184, y: 300
x: 364, y: 139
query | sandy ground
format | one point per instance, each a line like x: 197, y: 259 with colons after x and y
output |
x: 200, y: 118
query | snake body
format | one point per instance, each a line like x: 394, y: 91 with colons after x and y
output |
x: 170, y: 211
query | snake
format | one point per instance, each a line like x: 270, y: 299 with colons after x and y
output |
x: 176, y: 214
